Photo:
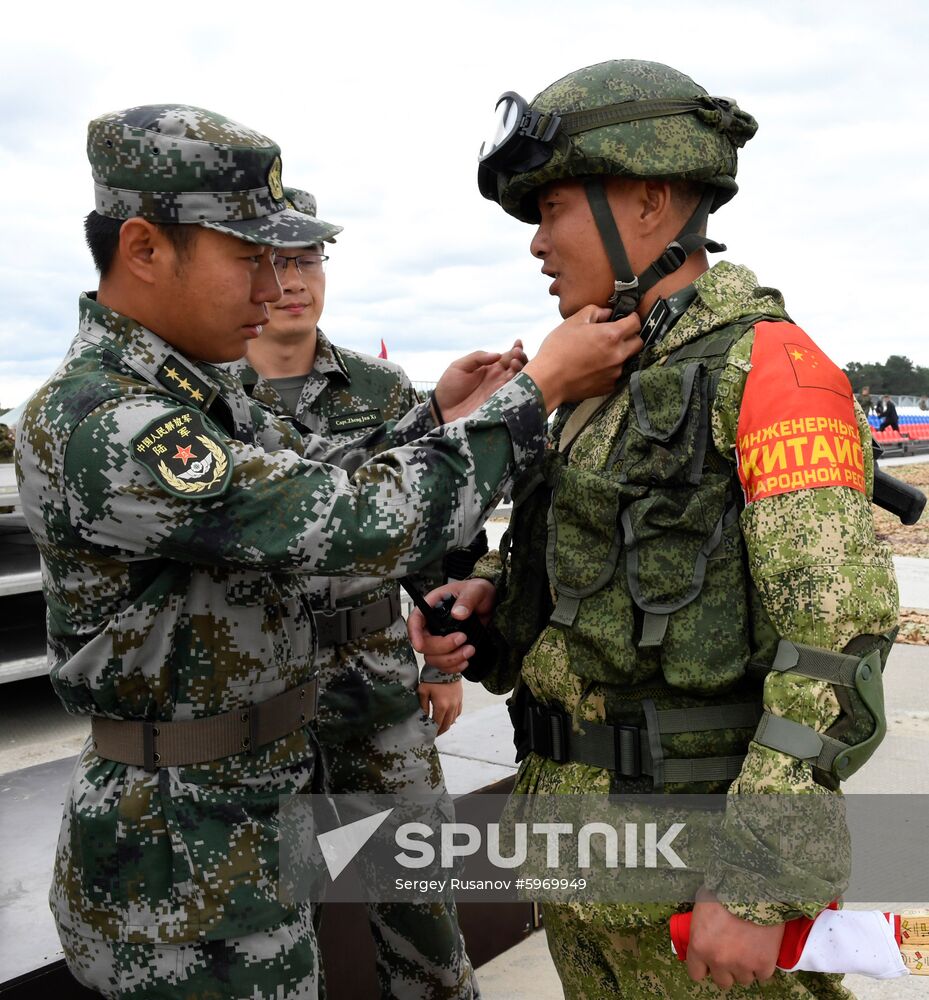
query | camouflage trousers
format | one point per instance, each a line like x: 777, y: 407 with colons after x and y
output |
x: 276, y: 964
x: 595, y: 959
x: 622, y: 951
x: 420, y: 951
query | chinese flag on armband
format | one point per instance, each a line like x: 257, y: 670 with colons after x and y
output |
x: 866, y: 942
x: 383, y: 353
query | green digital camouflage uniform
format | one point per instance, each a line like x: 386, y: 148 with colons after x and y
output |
x: 373, y: 735
x: 175, y: 582
x: 667, y: 587
x: 820, y: 578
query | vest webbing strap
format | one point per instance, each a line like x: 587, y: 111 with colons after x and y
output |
x: 797, y: 740
x: 632, y: 751
x: 812, y: 661
x: 654, y: 627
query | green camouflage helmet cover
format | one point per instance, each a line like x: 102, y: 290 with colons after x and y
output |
x: 698, y: 145
x: 174, y: 163
x: 304, y: 201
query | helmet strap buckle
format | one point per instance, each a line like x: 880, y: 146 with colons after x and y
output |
x: 671, y: 260
x: 619, y: 287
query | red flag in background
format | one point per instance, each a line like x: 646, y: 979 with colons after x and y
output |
x: 383, y: 353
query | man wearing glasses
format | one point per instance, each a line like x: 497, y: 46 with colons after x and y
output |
x: 373, y: 721
x: 177, y: 521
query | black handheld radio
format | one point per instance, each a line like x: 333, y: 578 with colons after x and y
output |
x: 439, y: 621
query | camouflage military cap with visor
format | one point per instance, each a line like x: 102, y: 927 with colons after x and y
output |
x: 304, y: 201
x: 179, y: 164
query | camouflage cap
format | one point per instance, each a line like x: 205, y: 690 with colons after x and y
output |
x: 303, y: 201
x: 174, y: 163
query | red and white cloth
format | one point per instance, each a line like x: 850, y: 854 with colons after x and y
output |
x: 866, y: 942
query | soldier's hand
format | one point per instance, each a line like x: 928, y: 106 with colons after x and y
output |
x: 450, y: 653
x: 728, y: 949
x: 446, y: 701
x: 471, y: 380
x: 584, y: 356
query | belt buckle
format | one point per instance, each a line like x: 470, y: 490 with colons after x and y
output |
x: 338, y: 633
x: 150, y: 759
x: 548, y: 733
x: 628, y: 749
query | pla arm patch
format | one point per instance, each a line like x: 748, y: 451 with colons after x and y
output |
x: 185, y: 457
x: 797, y: 428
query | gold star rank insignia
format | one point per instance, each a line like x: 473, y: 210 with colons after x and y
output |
x: 182, y: 381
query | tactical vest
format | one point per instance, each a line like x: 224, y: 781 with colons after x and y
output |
x: 643, y: 549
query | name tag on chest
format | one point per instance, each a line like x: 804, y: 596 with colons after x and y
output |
x: 355, y: 421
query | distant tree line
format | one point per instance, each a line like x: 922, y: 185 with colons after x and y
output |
x: 897, y: 376
x: 6, y: 444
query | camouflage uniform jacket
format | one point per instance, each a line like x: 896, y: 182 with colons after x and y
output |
x: 816, y: 576
x: 168, y: 600
x: 368, y: 683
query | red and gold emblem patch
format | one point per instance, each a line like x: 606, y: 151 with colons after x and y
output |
x: 184, y: 456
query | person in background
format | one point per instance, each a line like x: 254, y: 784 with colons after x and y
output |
x: 373, y: 722
x: 864, y: 400
x: 889, y: 416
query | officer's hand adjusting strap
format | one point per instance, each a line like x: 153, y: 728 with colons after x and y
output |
x: 860, y: 673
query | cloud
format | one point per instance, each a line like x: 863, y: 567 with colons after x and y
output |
x: 380, y: 109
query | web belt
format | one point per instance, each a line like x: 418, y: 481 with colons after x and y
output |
x: 632, y: 751
x: 177, y: 744
x: 335, y: 628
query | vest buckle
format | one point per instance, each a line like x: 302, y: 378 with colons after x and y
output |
x: 548, y: 732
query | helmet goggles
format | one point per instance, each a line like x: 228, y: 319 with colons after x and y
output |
x: 525, y: 138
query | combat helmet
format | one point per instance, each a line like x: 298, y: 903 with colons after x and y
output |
x: 620, y: 118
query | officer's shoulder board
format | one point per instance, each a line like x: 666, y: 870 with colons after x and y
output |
x: 184, y: 456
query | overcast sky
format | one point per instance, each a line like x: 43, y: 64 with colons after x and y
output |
x: 380, y: 108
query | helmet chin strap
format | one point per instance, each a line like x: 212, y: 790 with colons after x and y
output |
x: 628, y: 288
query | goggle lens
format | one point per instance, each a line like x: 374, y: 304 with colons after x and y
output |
x: 507, y: 118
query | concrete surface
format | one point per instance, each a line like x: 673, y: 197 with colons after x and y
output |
x: 35, y: 729
x: 913, y: 581
x: 526, y: 972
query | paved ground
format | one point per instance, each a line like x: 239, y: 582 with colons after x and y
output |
x: 34, y: 729
x: 526, y: 971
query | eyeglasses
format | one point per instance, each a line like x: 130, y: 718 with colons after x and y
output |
x: 307, y: 263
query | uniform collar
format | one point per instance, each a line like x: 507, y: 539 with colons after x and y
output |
x: 193, y: 383
x: 329, y: 361
x: 724, y: 294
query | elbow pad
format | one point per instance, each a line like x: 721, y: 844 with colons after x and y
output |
x: 859, y: 672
